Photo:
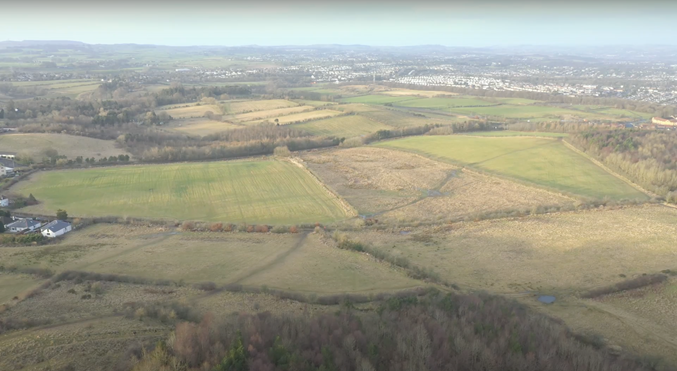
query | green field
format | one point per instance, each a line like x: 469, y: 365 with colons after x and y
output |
x: 380, y: 99
x: 441, y: 103
x: 511, y: 133
x: 541, y: 161
x: 344, y: 126
x: 236, y: 191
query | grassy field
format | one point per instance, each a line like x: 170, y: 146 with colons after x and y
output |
x: 418, y: 93
x: 71, y: 146
x: 236, y: 191
x: 192, y: 111
x: 296, y: 262
x: 542, y: 161
x: 511, y: 133
x: 396, y: 118
x: 201, y: 126
x: 235, y: 107
x: 344, y: 126
x: 404, y: 187
x: 376, y: 179
x: 380, y: 99
x: 442, y: 103
x: 270, y: 114
x: 299, y: 117
x: 562, y: 255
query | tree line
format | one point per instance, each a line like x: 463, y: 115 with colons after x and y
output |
x: 648, y: 158
x: 434, y: 332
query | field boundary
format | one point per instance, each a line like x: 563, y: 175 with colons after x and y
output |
x: 464, y: 167
x: 347, y: 208
x: 605, y: 168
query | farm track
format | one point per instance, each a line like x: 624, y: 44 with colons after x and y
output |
x: 163, y: 237
x: 280, y: 258
x: 642, y: 327
x: 605, y: 168
x: 20, y: 333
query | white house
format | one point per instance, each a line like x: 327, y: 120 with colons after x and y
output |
x: 4, y: 201
x: 4, y: 170
x: 23, y: 225
x: 56, y: 228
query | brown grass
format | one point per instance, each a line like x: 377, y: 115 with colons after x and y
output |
x: 271, y: 114
x: 469, y: 193
x: 374, y: 179
x: 298, y: 117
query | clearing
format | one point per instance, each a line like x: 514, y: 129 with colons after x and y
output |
x: 541, y: 161
x: 400, y: 186
x: 201, y: 126
x: 295, y: 262
x: 343, y: 126
x: 265, y: 191
x: 71, y: 146
x: 271, y: 114
x: 235, y: 107
x: 300, y: 117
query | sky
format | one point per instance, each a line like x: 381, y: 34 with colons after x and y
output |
x: 478, y: 23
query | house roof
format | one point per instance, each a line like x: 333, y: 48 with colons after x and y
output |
x: 23, y: 223
x: 7, y: 163
x: 55, y: 226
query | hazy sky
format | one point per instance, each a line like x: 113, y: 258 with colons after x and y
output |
x: 368, y: 22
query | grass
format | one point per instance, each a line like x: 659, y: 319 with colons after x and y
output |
x: 574, y: 251
x: 306, y: 270
x: 271, y: 114
x: 541, y: 161
x: 344, y: 126
x: 525, y: 112
x: 511, y: 133
x: 442, y: 103
x: 235, y: 107
x: 201, y: 126
x: 397, y: 119
x: 236, y: 191
x: 292, y: 262
x: 71, y: 146
x: 562, y: 255
x: 380, y: 99
x: 192, y: 111
x: 299, y: 117
x: 419, y: 93
x: 12, y: 285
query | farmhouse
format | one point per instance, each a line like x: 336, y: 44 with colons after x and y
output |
x: 23, y: 225
x: 4, y: 201
x: 56, y: 228
x: 5, y: 171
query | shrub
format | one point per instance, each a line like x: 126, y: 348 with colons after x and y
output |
x: 630, y: 284
x: 293, y: 229
x: 206, y: 286
x: 261, y: 229
x: 279, y: 229
x: 216, y: 227
x: 282, y: 151
x: 250, y: 228
x: 188, y: 226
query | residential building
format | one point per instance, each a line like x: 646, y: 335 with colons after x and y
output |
x: 56, y: 228
x: 23, y: 225
x: 5, y: 171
